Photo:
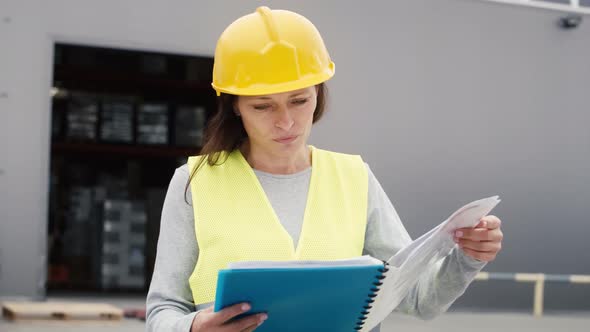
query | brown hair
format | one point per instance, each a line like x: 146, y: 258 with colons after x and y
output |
x: 225, y: 131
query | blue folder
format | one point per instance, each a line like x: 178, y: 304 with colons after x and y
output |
x: 332, y: 298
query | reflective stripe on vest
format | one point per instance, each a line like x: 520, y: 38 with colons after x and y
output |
x: 234, y: 220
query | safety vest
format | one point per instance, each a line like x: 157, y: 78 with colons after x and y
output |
x: 234, y: 220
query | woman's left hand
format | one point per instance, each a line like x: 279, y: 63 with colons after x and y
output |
x: 482, y: 242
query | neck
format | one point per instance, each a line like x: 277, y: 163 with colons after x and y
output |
x: 274, y: 163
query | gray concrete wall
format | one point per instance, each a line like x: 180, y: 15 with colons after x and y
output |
x: 447, y: 100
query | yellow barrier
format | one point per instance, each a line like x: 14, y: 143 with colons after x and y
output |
x: 538, y: 279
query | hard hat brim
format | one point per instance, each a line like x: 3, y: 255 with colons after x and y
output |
x: 266, y: 89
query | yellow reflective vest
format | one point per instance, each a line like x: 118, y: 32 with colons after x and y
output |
x: 234, y: 220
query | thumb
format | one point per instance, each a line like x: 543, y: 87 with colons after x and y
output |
x: 490, y: 222
x: 482, y: 224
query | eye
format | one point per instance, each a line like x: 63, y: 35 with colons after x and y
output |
x: 300, y: 101
x: 262, y: 107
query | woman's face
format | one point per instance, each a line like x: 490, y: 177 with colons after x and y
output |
x: 278, y: 123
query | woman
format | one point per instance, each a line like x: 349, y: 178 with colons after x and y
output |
x: 259, y: 192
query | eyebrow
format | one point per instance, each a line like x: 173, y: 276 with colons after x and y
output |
x: 291, y: 96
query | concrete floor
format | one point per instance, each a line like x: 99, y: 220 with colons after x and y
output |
x: 451, y: 322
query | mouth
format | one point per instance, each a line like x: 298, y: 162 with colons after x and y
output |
x: 285, y: 139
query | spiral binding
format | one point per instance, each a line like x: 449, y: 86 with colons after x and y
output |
x: 371, y: 297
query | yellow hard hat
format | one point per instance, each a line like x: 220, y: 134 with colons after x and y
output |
x: 270, y: 51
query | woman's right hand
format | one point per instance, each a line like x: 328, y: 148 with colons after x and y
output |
x: 210, y: 321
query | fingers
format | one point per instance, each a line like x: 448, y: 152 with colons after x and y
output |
x: 487, y: 246
x: 479, y: 234
x: 482, y: 242
x: 251, y: 328
x: 248, y: 323
x: 228, y: 313
x: 208, y: 320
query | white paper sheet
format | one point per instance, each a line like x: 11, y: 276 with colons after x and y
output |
x: 409, y: 263
x: 365, y: 260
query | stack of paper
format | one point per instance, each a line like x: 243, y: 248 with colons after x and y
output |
x: 411, y: 262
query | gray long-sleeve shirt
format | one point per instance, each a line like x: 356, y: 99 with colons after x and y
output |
x: 170, y: 305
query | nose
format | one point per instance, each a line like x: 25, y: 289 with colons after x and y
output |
x: 283, y: 119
